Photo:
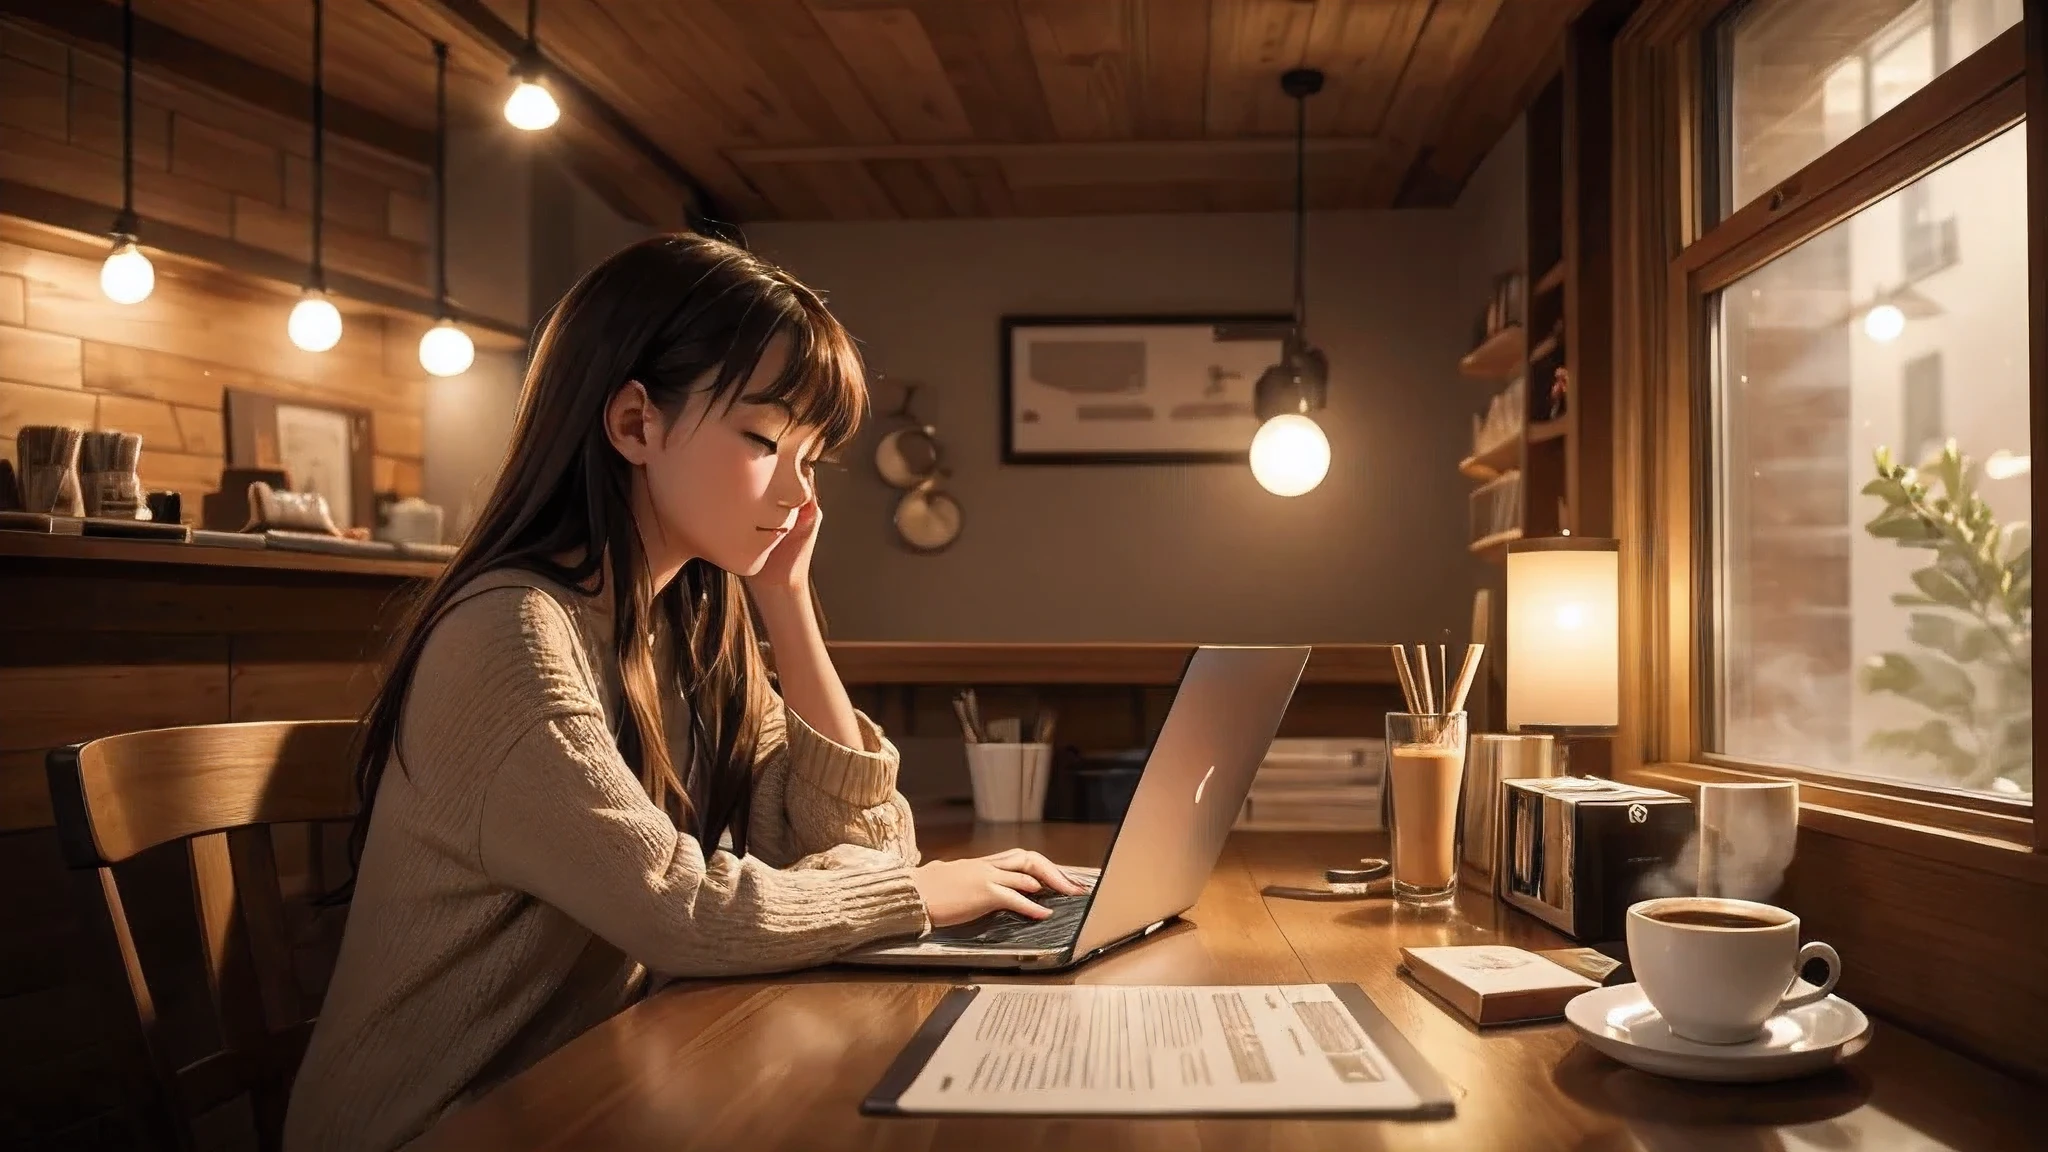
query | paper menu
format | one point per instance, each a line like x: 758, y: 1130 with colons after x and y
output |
x: 1159, y: 1050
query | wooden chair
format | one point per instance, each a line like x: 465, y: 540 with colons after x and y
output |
x: 216, y: 789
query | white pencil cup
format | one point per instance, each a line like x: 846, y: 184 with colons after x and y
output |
x: 1009, y: 781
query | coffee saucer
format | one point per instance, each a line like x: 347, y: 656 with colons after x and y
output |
x: 1620, y: 1022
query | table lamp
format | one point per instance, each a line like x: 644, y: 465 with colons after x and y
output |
x: 1563, y: 637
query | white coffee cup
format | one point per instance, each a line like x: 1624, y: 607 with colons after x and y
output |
x: 1717, y: 969
x: 1009, y: 781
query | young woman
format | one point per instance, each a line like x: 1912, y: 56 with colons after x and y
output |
x: 576, y: 772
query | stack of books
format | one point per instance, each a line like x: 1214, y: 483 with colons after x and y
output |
x: 1317, y: 785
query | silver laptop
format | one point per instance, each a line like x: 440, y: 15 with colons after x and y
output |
x: 1222, y: 722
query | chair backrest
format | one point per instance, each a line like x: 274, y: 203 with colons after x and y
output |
x: 216, y: 789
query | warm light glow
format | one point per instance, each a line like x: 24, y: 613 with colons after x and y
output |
x: 446, y: 350
x: 2003, y: 465
x: 531, y: 107
x: 1884, y: 323
x: 127, y: 277
x: 1563, y: 657
x: 1290, y: 455
x: 315, y: 324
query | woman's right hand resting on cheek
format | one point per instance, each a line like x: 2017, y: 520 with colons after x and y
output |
x: 956, y: 891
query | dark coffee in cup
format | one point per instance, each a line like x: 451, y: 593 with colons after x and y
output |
x: 1718, y: 969
x: 1712, y: 918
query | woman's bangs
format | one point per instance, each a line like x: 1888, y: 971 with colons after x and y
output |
x: 824, y: 383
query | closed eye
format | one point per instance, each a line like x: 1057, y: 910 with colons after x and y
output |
x: 763, y: 441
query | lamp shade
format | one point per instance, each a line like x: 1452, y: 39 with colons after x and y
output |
x: 1563, y: 634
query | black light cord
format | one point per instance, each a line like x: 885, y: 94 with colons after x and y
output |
x: 318, y: 279
x: 440, y: 180
x: 127, y: 223
x: 1300, y: 213
x: 532, y: 20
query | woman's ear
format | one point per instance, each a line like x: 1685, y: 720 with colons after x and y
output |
x: 630, y: 422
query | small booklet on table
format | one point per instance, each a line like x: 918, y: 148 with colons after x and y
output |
x: 1495, y: 983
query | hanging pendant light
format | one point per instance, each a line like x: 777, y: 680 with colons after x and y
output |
x: 315, y: 323
x: 1289, y: 454
x: 127, y: 277
x: 445, y: 350
x: 531, y: 106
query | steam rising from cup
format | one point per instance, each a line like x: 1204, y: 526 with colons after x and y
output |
x: 1744, y: 842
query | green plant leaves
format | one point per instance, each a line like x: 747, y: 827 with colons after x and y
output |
x: 1955, y: 639
x: 1943, y: 588
x: 1934, y: 739
x: 1931, y: 681
x: 1983, y: 601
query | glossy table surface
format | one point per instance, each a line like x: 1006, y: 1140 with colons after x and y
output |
x: 783, y: 1062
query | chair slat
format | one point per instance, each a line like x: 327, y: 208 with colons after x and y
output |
x: 223, y: 935
x: 254, y: 857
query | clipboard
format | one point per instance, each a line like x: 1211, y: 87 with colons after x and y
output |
x: 1436, y: 1101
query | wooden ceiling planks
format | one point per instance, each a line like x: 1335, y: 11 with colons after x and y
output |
x: 919, y: 104
x: 1251, y: 42
x: 1169, y: 56
x: 1083, y: 55
x: 1499, y: 84
x: 803, y: 109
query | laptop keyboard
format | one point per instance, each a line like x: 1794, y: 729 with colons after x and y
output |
x: 1006, y: 929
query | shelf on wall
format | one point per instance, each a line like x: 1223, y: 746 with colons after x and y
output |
x: 1494, y: 548
x: 1548, y: 346
x: 1493, y: 461
x: 1551, y: 279
x: 1499, y: 358
x: 1549, y: 429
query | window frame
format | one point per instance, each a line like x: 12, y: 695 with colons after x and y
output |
x: 1673, y: 251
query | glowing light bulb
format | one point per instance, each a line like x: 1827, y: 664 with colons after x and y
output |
x: 531, y: 107
x: 446, y: 350
x: 2004, y: 465
x: 1884, y: 323
x: 315, y: 324
x: 1290, y: 455
x: 127, y: 277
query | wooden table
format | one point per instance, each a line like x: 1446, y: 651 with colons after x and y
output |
x: 782, y: 1063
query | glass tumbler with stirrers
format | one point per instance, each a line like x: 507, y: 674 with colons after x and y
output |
x: 1425, y: 779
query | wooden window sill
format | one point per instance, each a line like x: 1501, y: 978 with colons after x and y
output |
x: 1978, y: 841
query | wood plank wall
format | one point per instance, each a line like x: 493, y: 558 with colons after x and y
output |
x: 70, y: 356
x: 206, y: 161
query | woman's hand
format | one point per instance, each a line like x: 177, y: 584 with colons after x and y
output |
x: 956, y: 891
x: 788, y: 568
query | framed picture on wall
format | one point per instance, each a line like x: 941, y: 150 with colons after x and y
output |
x: 1133, y: 389
x: 324, y: 448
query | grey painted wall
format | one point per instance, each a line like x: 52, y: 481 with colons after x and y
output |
x: 1156, y: 552
x: 1492, y: 229
x: 521, y: 229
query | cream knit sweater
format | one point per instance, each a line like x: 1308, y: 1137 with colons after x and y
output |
x: 517, y: 885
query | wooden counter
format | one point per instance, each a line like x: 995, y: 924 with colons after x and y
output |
x: 782, y: 1062
x: 104, y: 636
x: 42, y: 546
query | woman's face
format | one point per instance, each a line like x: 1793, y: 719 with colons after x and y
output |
x: 724, y: 484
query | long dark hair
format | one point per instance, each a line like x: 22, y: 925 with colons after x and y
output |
x: 664, y: 312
